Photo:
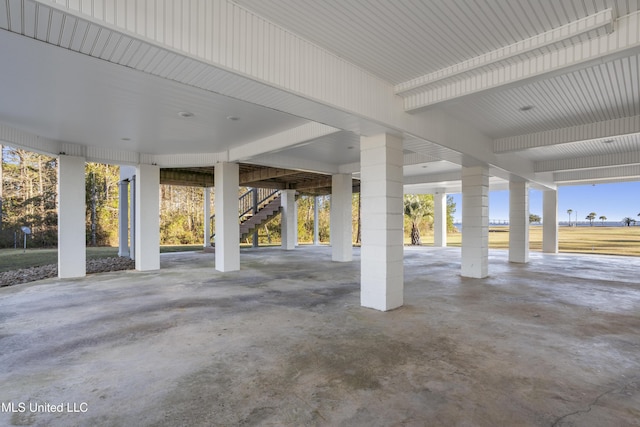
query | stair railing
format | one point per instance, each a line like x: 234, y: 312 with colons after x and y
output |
x: 249, y: 203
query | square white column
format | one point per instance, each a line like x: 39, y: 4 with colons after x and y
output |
x: 518, y: 222
x: 207, y: 217
x: 440, y: 219
x: 381, y: 274
x: 289, y: 223
x: 227, y: 240
x: 475, y: 221
x: 550, y: 221
x: 341, y: 224
x: 123, y: 219
x: 72, y: 251
x: 147, y: 218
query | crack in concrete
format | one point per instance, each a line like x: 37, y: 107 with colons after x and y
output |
x: 592, y: 404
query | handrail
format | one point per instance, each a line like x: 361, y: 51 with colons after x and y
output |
x: 253, y: 198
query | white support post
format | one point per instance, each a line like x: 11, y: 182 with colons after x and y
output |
x: 316, y: 223
x: 72, y: 252
x: 440, y: 219
x: 550, y: 221
x: 341, y: 224
x: 207, y: 217
x: 475, y: 221
x: 132, y: 219
x: 123, y: 219
x: 518, y: 222
x: 289, y: 223
x: 382, y: 281
x: 147, y: 230
x: 227, y: 241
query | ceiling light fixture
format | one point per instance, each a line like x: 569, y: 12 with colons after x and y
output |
x: 526, y: 108
x: 608, y: 141
x: 186, y: 114
x: 351, y: 147
x: 125, y: 139
x: 233, y: 118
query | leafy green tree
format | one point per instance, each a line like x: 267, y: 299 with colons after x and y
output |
x: 591, y: 217
x: 451, y: 209
x: 416, y: 209
x: 534, y: 218
x: 628, y: 221
x: 603, y: 219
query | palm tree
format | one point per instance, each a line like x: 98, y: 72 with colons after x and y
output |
x: 591, y: 217
x: 569, y: 211
x: 603, y: 219
x: 627, y: 221
x: 417, y: 208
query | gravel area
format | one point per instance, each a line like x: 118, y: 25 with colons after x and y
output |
x: 24, y: 275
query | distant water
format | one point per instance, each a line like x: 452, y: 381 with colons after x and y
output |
x: 458, y: 225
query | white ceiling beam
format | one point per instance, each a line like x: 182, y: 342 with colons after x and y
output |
x: 433, y: 178
x: 600, y: 20
x: 288, y: 162
x: 289, y: 138
x: 589, y: 176
x: 624, y: 41
x: 28, y: 141
x: 589, y: 132
x: 604, y: 160
x: 409, y: 159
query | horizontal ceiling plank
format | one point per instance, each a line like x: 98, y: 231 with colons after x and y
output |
x: 605, y: 160
x: 587, y: 132
x: 624, y: 41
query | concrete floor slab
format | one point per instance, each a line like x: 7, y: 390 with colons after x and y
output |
x: 555, y: 342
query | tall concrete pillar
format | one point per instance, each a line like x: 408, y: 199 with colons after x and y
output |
x: 381, y: 274
x: 341, y: 222
x: 207, y: 217
x: 289, y: 223
x: 316, y: 228
x: 518, y: 222
x: 440, y: 219
x: 132, y: 218
x: 227, y: 241
x: 475, y: 221
x: 72, y: 251
x: 123, y: 218
x: 550, y: 221
x: 147, y: 219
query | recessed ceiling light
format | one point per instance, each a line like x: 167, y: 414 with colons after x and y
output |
x: 186, y: 114
x: 424, y: 166
x: 233, y: 118
x: 608, y: 141
x: 526, y: 108
x: 125, y: 139
x: 351, y: 147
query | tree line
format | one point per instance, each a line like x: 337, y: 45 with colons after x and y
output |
x: 28, y: 198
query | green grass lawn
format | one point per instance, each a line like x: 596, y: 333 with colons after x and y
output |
x: 593, y: 240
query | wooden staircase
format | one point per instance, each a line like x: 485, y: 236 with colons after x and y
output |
x: 256, y: 207
x: 264, y: 214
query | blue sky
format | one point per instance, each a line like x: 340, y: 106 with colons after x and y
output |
x: 615, y: 201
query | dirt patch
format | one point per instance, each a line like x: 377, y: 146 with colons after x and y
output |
x: 25, y: 275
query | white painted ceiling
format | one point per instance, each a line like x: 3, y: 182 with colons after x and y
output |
x: 68, y: 96
x: 402, y: 40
